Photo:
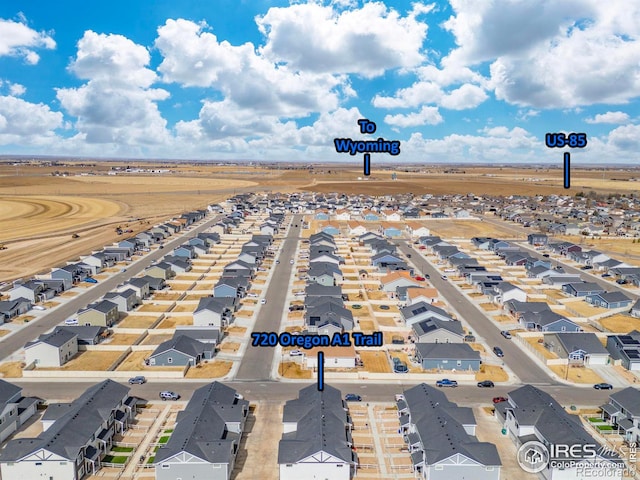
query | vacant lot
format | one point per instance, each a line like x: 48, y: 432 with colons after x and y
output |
x: 539, y: 347
x: 212, y: 369
x: 620, y: 323
x: 11, y: 369
x: 135, y: 360
x: 584, y: 309
x: 137, y: 321
x: 153, y: 307
x: 293, y: 370
x: 492, y: 372
x: 375, y: 362
x: 171, y: 322
x: 576, y: 374
x: 122, y: 338
x: 156, y: 339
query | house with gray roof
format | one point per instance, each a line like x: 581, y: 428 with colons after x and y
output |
x: 448, y: 356
x: 441, y: 438
x: 582, y: 348
x: 623, y: 412
x: 434, y: 330
x: 160, y: 270
x: 87, y: 334
x: 548, y: 321
x: 155, y: 283
x: 103, y: 313
x: 206, y: 439
x: 327, y: 318
x: 582, y: 289
x: 12, y: 308
x: 626, y: 349
x: 316, y: 441
x: 214, y: 311
x: 420, y: 311
x: 33, y: 290
x: 15, y: 409
x: 209, y: 335
x: 138, y: 285
x: 126, y: 300
x: 530, y: 414
x: 613, y: 299
x: 52, y: 349
x: 231, y: 287
x: 181, y: 350
x: 75, y: 438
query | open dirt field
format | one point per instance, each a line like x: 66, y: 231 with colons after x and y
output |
x: 11, y: 369
x: 137, y: 321
x: 539, y: 347
x: 465, y: 228
x: 90, y: 360
x: 492, y: 372
x: 91, y: 203
x: 293, y: 370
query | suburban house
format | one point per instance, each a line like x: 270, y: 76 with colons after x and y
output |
x: 155, y: 283
x: 609, y: 300
x: 15, y: 409
x: 334, y: 357
x: 626, y: 349
x: 505, y: 291
x: 87, y: 334
x: 623, y: 412
x: 582, y: 289
x: 635, y: 310
x: 138, y: 285
x: 231, y: 287
x: 422, y: 294
x: 434, y: 330
x: 531, y: 414
x: 397, y: 279
x: 205, y: 442
x: 316, y: 441
x: 75, y: 438
x: 214, y: 311
x: 423, y: 311
x: 537, y: 239
x: 33, y: 290
x: 12, y: 308
x: 126, y: 300
x: 52, y: 349
x: 181, y: 350
x: 328, y: 318
x: 103, y: 313
x: 448, y: 356
x: 548, y: 321
x: 160, y: 270
x: 209, y: 335
x: 441, y: 438
x: 578, y: 348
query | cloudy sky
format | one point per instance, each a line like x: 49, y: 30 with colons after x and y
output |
x: 454, y: 81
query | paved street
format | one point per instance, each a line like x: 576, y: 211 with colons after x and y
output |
x: 257, y: 361
x: 519, y: 362
x: 17, y: 340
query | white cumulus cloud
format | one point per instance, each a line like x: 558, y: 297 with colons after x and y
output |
x: 609, y: 117
x: 426, y: 116
x: 17, y: 39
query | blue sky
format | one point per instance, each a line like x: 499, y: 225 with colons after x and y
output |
x: 454, y: 81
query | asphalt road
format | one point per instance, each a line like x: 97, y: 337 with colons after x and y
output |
x: 272, y: 391
x: 586, y: 274
x: 257, y: 361
x: 14, y: 342
x: 519, y: 362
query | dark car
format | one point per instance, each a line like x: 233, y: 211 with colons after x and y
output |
x: 620, y: 281
x: 546, y: 255
x: 605, y: 275
x: 137, y: 380
x: 486, y: 384
x: 499, y: 399
x: 408, y: 255
x: 498, y: 351
x: 603, y: 386
x: 352, y: 397
x: 586, y: 267
x: 384, y: 307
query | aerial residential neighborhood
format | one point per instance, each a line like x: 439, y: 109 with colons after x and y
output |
x: 319, y: 240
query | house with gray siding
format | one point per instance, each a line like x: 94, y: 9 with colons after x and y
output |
x: 441, y: 438
x: 15, y: 409
x: 12, y: 308
x: 103, y: 313
x: 623, y: 412
x: 448, y: 356
x: 434, y: 330
x: 181, y: 350
x: 51, y: 349
x: 76, y: 436
x: 626, y: 349
x: 126, y: 300
x: 578, y: 348
x: 206, y: 439
x: 609, y: 300
x: 316, y: 440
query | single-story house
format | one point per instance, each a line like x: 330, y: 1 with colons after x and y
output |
x: 448, y: 356
x: 578, y: 348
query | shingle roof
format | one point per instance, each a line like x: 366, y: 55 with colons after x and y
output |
x: 57, y: 338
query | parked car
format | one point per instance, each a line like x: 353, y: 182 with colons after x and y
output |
x: 253, y: 295
x: 603, y: 386
x: 90, y: 280
x: 122, y: 270
x: 499, y: 399
x: 263, y: 301
x: 420, y: 279
x: 545, y: 255
x: 506, y: 334
x: 586, y: 267
x: 605, y: 275
x: 38, y: 307
x: 443, y: 277
x: 291, y: 261
x: 277, y: 262
x: 352, y: 397
x: 161, y: 247
x: 445, y: 382
x: 620, y: 281
x: 408, y: 255
x: 486, y: 384
x: 139, y: 380
x: 296, y: 353
x: 71, y: 321
x: 384, y: 307
x: 400, y: 367
x: 498, y: 351
x: 238, y: 396
x: 169, y: 395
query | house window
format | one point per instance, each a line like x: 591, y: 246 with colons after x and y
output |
x: 489, y: 469
x: 38, y: 464
x: 459, y: 363
x: 289, y: 465
x: 169, y: 360
x: 166, y: 465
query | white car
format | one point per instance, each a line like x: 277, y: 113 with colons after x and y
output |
x: 38, y: 307
x: 295, y: 353
x: 71, y: 321
x: 263, y: 301
x: 291, y: 261
x: 254, y: 295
